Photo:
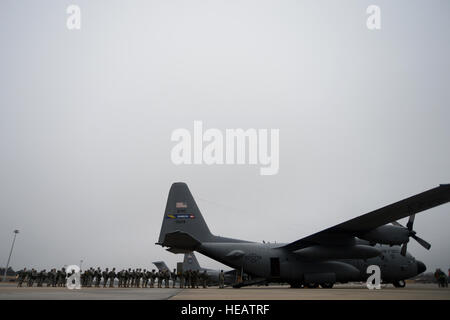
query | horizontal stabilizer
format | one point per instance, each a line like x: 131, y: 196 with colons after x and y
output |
x: 181, y: 240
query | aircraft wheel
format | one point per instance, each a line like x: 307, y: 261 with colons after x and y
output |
x: 399, y: 284
x: 312, y: 285
x: 296, y: 285
x: 327, y: 285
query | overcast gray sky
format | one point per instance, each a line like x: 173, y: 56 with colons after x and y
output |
x: 86, y: 118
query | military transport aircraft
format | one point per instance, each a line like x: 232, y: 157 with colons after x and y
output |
x: 338, y: 254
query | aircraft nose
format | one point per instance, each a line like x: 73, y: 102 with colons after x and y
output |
x: 421, y: 267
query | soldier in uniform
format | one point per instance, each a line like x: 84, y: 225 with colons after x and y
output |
x: 149, y: 277
x: 50, y: 278
x: 195, y: 279
x: 187, y: 278
x: 144, y: 278
x: 204, y: 279
x: 98, y: 277
x: 167, y: 278
x: 221, y: 279
x: 33, y: 277
x: 105, y: 275
x: 159, y: 278
x: 21, y: 276
x: 41, y: 277
x: 129, y: 277
x: 91, y: 276
x: 112, y: 276
x: 58, y: 276
x: 54, y: 277
x: 28, y: 277
x: 137, y: 282
x: 62, y: 277
x: 180, y: 276
x: 173, y: 275
x: 133, y: 277
x: 152, y: 279
x: 120, y: 278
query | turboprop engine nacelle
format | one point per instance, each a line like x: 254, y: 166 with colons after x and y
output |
x: 319, y: 252
x: 392, y: 235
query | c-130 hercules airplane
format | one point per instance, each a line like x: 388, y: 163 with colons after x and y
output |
x: 339, y: 254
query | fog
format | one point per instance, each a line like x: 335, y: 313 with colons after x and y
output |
x: 86, y: 118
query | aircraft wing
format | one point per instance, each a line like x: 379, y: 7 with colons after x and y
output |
x: 346, y: 231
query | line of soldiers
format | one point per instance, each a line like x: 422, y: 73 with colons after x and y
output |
x: 135, y: 278
x: 54, y: 278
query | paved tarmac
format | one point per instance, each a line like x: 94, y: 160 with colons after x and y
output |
x: 339, y: 292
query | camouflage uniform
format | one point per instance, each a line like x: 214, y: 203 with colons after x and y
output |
x: 173, y: 275
x: 112, y: 276
x: 105, y: 275
x: 21, y: 276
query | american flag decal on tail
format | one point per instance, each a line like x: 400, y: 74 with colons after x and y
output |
x: 180, y: 205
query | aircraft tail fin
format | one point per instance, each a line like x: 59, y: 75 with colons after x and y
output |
x: 190, y: 262
x: 182, y: 220
x: 161, y: 265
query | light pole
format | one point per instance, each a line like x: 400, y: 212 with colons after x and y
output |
x: 9, y: 258
x: 81, y: 262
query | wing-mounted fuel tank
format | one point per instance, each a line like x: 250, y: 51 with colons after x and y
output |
x: 391, y: 235
x: 320, y: 252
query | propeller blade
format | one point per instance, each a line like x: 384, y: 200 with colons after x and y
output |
x: 410, y: 223
x: 403, y: 250
x: 422, y: 242
x: 395, y: 223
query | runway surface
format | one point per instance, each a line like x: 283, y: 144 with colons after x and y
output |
x: 340, y: 292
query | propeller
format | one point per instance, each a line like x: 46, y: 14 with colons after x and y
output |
x: 412, y: 234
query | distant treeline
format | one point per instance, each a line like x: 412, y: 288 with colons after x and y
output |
x: 10, y: 272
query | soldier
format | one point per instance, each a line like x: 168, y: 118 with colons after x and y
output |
x: 29, y: 277
x: 98, y: 277
x: 204, y: 279
x: 49, y: 279
x: 173, y: 275
x: 137, y: 282
x: 167, y: 278
x: 21, y: 276
x: 40, y: 277
x: 144, y: 278
x: 82, y: 278
x: 187, y: 278
x: 54, y: 277
x: 159, y: 278
x: 195, y: 279
x: 105, y: 275
x: 129, y: 275
x: 152, y: 279
x: 58, y: 276
x: 112, y: 276
x: 33, y: 277
x: 149, y: 277
x: 181, y: 277
x: 62, y: 277
x: 120, y: 278
x: 132, y: 276
x: 91, y: 276
x: 221, y: 279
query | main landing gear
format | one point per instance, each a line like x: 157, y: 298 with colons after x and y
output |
x: 399, y: 284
